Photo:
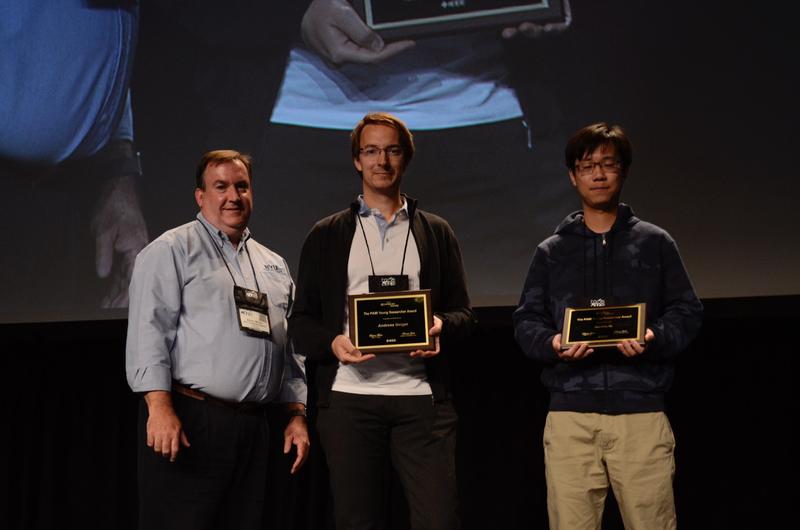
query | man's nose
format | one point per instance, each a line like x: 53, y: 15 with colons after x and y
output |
x: 232, y: 194
x: 383, y: 157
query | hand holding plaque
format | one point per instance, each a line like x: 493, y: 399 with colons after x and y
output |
x: 603, y: 326
x: 394, y: 19
x: 343, y: 349
x: 434, y: 332
x: 632, y: 348
x: 335, y: 32
x: 397, y: 321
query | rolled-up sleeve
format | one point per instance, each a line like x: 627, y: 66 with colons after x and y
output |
x: 155, y: 304
x: 294, y: 387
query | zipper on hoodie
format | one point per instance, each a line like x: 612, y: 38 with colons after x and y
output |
x: 605, y: 295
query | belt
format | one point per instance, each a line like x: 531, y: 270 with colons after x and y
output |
x: 244, y: 406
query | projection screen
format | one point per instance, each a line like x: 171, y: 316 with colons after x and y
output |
x: 105, y: 108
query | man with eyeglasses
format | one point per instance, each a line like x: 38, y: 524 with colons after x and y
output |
x: 606, y: 424
x: 376, y: 408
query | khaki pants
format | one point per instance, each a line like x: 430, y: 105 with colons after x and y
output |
x: 584, y: 453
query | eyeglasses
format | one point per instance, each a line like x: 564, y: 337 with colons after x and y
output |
x: 372, y: 151
x: 606, y: 165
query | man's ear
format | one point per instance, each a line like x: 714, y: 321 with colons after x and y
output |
x: 357, y: 163
x: 572, y: 178
x: 198, y: 196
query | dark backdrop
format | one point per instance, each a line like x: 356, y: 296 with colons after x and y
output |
x: 706, y: 90
x: 70, y: 458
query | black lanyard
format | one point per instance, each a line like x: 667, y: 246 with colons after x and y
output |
x: 221, y: 255
x: 369, y: 254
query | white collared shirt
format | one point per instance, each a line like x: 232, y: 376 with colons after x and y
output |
x: 394, y: 374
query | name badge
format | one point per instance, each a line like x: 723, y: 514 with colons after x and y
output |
x: 252, y: 308
x: 388, y: 282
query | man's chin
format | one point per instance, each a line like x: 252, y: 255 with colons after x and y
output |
x: 235, y: 220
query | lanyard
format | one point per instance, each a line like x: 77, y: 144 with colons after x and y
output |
x: 369, y: 254
x: 221, y: 255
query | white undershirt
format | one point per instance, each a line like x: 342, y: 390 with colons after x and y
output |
x: 389, y: 374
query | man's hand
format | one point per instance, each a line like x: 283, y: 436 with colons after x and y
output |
x: 344, y: 350
x: 532, y: 30
x: 336, y: 33
x: 119, y: 231
x: 434, y: 332
x: 296, y: 434
x: 631, y: 348
x: 574, y: 353
x: 164, y: 431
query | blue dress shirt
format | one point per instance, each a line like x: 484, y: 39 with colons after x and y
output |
x: 183, y: 322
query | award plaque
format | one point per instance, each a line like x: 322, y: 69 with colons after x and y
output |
x: 391, y: 321
x: 404, y: 19
x: 603, y: 326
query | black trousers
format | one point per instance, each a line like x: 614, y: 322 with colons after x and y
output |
x: 217, y: 483
x: 360, y: 433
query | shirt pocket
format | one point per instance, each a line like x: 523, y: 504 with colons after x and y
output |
x: 279, y: 288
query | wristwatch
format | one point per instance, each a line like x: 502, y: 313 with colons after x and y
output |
x: 297, y: 412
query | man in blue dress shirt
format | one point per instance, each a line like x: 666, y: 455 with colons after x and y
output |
x: 207, y: 348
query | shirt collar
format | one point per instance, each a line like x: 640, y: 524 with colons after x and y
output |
x: 223, y: 237
x: 366, y: 211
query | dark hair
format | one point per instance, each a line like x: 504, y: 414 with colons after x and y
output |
x: 221, y: 156
x: 586, y: 140
x: 383, y: 118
